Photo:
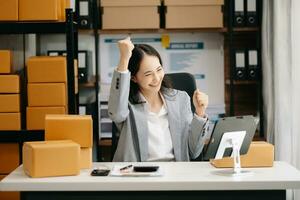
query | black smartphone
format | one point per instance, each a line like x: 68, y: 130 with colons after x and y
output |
x: 145, y: 168
x: 100, y: 172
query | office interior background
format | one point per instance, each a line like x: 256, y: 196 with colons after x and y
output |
x: 246, y: 68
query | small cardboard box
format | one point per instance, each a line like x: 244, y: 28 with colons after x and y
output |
x: 9, y: 10
x: 78, y: 128
x: 9, y: 84
x: 5, y: 61
x: 130, y: 14
x: 47, y: 94
x: 9, y: 103
x: 194, y: 14
x: 47, y: 69
x: 9, y: 195
x: 36, y: 116
x: 37, y: 10
x: 51, y: 158
x: 10, y: 121
x: 260, y: 154
x: 85, y: 158
x: 9, y: 156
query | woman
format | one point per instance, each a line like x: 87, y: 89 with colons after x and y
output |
x: 155, y: 122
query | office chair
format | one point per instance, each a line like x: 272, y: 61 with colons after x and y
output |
x: 180, y: 81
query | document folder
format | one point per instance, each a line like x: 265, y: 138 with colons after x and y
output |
x: 239, y: 65
x: 253, y: 68
x: 239, y: 13
x: 85, y: 14
x: 252, y: 13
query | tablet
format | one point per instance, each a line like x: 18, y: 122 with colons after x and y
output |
x: 229, y: 124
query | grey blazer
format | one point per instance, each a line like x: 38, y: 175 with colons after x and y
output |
x: 188, y: 132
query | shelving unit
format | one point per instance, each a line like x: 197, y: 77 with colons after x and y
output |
x: 236, y: 89
x: 70, y: 29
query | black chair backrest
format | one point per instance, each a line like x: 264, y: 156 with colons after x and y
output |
x: 180, y: 81
x: 183, y: 81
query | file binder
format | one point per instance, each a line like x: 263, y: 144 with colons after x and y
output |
x: 252, y: 13
x: 239, y: 13
x: 253, y: 67
x: 83, y: 65
x: 85, y: 14
x: 239, y: 64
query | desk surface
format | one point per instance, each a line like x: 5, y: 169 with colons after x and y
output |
x: 180, y: 176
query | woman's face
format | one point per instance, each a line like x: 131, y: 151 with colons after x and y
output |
x: 150, y: 75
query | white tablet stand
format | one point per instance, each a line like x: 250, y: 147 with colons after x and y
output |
x: 232, y: 140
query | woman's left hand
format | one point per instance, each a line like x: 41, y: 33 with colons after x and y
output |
x: 200, y: 101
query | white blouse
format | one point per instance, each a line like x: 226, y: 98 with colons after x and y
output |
x: 160, y: 147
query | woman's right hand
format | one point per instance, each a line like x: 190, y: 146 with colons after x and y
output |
x: 125, y: 48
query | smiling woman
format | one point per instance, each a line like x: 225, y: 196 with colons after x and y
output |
x: 155, y: 121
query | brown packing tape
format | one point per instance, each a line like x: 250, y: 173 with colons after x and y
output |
x: 260, y: 154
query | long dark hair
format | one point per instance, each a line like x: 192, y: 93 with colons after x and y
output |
x: 138, y: 53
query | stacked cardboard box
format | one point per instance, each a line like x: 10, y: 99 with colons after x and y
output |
x: 51, y: 158
x: 47, y: 89
x: 78, y: 128
x: 9, y: 159
x: 9, y: 94
x: 33, y: 10
x: 9, y: 118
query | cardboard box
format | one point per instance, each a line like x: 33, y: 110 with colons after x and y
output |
x: 194, y: 14
x: 130, y: 14
x: 36, y: 116
x: 85, y: 158
x: 9, y: 103
x: 10, y: 121
x: 260, y: 154
x: 9, y: 84
x: 9, y: 195
x: 78, y: 128
x: 51, y: 158
x: 9, y: 10
x: 37, y: 10
x: 9, y: 157
x: 5, y: 61
x: 47, y: 94
x: 47, y: 69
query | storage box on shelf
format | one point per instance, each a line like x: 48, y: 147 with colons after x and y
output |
x: 193, y: 14
x: 130, y: 14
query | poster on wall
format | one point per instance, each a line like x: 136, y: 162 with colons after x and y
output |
x: 200, y: 54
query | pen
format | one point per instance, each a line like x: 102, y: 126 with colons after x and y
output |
x: 126, y: 167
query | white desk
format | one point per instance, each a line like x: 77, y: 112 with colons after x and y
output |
x: 178, y: 176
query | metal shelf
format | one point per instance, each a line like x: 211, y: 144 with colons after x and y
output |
x: 33, y: 27
x: 21, y: 136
